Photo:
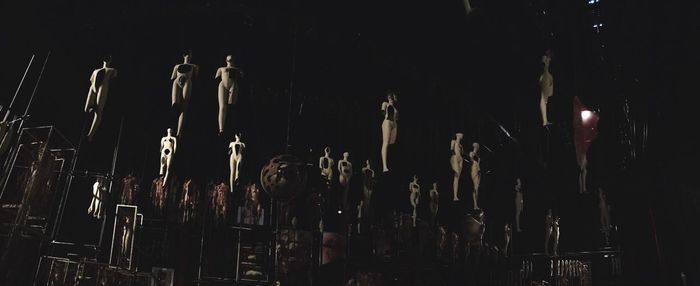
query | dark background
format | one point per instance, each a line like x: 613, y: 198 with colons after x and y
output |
x: 452, y: 74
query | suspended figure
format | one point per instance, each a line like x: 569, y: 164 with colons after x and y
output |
x: 188, y: 201
x: 182, y: 77
x: 551, y: 231
x: 129, y: 189
x: 434, y: 201
x: 604, y: 208
x: 235, y: 150
x: 219, y: 200
x: 127, y: 229
x: 168, y: 146
x: 456, y: 162
x: 253, y: 209
x: 389, y: 126
x: 585, y: 132
x: 546, y: 83
x: 508, y: 233
x: 368, y: 185
x: 325, y: 163
x: 97, y: 95
x: 414, y: 189
x: 228, y: 89
x: 344, y: 176
x: 519, y: 203
x: 99, y: 189
x: 476, y: 173
x: 158, y: 194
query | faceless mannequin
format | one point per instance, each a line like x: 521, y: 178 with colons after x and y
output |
x: 368, y: 184
x: 555, y: 233
x: 456, y: 162
x: 126, y: 238
x: 235, y: 158
x: 326, y: 164
x: 188, y: 201
x: 508, y: 232
x: 476, y: 173
x: 159, y: 195
x: 414, y: 188
x: 434, y: 201
x: 389, y: 126
x: 344, y: 175
x: 168, y: 146
x: 228, y: 89
x: 98, y: 192
x: 585, y: 124
x: 519, y: 203
x: 546, y: 83
x: 97, y: 95
x: 604, y: 211
x: 129, y: 188
x: 182, y: 88
x: 548, y: 222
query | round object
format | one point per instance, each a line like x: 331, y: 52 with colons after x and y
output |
x: 283, y: 177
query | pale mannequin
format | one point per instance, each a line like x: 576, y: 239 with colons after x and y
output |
x: 168, y: 147
x: 235, y: 150
x: 344, y: 175
x: 228, y: 89
x: 519, y: 203
x: 456, y: 161
x: 98, y: 190
x: 556, y: 233
x: 414, y: 188
x: 182, y: 88
x: 126, y: 237
x: 97, y: 95
x: 546, y: 83
x: 604, y: 211
x: 476, y: 173
x: 389, y: 126
x: 325, y: 163
x: 434, y: 201
x: 548, y: 222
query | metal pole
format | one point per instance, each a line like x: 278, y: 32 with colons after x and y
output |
x: 12, y: 103
x: 111, y: 179
x: 36, y: 87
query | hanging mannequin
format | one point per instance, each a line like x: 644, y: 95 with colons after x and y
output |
x: 555, y: 233
x: 546, y: 83
x: 228, y: 88
x: 519, y: 203
x: 414, y: 188
x: 129, y: 189
x: 182, y: 88
x: 253, y: 209
x: 235, y: 150
x: 604, y: 211
x: 344, y: 175
x: 585, y: 132
x: 97, y: 95
x: 218, y: 200
x: 368, y: 184
x: 389, y: 126
x: 126, y: 239
x: 98, y: 195
x: 188, y: 200
x: 434, y: 201
x: 456, y: 162
x: 326, y: 164
x: 158, y: 194
x: 508, y: 232
x: 548, y: 222
x: 476, y: 173
x: 168, y: 146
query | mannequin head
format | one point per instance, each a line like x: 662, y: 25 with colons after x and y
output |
x: 476, y: 146
x: 367, y: 164
x: 459, y: 136
x: 346, y: 155
x: 549, y: 213
x: 186, y: 57
x: 229, y: 60
x: 518, y: 184
x: 547, y: 57
x: 391, y: 97
x: 170, y: 132
x: 106, y: 61
x: 238, y: 137
x: 415, y: 179
x: 327, y: 150
x: 435, y: 186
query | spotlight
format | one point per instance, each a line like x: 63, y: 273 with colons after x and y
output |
x: 585, y: 115
x: 340, y: 212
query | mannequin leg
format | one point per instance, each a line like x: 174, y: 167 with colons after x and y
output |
x: 455, y: 187
x: 233, y: 93
x: 386, y: 136
x: 176, y: 95
x: 186, y: 89
x: 233, y: 167
x: 517, y: 219
x: 392, y: 138
x: 223, y: 107
x: 556, y: 244
x: 168, y: 159
x: 162, y: 164
x: 543, y: 110
x: 90, y: 102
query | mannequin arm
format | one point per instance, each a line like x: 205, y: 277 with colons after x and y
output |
x: 218, y: 73
x: 452, y: 145
x: 174, y: 75
x: 320, y: 163
x: 161, y: 146
x: 174, y: 145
